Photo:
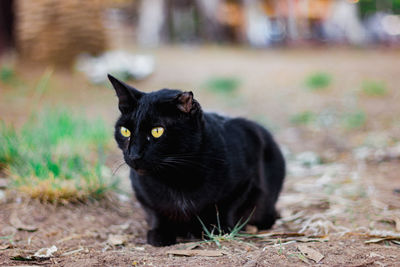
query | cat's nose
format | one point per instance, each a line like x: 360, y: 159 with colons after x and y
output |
x: 134, y: 160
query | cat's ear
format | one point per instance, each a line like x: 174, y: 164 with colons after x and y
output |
x: 127, y: 95
x: 186, y: 103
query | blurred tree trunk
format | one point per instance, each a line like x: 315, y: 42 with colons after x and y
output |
x: 257, y: 24
x: 183, y: 20
x: 210, y: 28
x: 6, y: 24
x: 151, y: 20
x: 292, y: 25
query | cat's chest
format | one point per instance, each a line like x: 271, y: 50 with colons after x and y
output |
x: 175, y: 205
x: 169, y: 202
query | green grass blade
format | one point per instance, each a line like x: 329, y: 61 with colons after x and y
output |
x: 238, y: 227
x: 204, y: 227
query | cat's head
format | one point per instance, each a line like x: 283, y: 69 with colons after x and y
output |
x: 158, y: 128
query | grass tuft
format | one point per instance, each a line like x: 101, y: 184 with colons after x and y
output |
x: 318, y: 81
x: 223, y: 85
x: 57, y: 157
x: 217, y: 235
x: 7, y: 74
x: 374, y: 88
x: 303, y: 118
x: 354, y: 120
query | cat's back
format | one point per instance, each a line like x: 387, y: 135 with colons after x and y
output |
x: 251, y: 153
x: 214, y: 119
x: 237, y: 131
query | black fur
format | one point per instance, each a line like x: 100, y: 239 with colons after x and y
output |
x: 201, y: 163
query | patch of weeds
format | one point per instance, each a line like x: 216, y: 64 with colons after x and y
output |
x: 280, y: 249
x: 7, y: 74
x: 354, y: 120
x: 42, y: 85
x: 9, y: 238
x: 8, y: 145
x: 217, y: 235
x: 303, y: 118
x: 9, y: 77
x: 57, y: 157
x: 318, y: 81
x: 374, y: 88
x: 223, y: 85
x: 387, y: 243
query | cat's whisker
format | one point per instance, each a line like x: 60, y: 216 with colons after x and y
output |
x: 187, y: 162
x: 180, y: 161
x: 194, y: 156
x: 168, y: 165
x: 118, y: 167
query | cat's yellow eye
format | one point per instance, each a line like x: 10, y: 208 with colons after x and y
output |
x: 125, y: 132
x: 157, y: 132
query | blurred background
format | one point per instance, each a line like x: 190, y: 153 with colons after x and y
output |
x: 323, y: 75
x: 86, y: 27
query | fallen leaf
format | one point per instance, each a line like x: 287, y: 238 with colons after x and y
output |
x: 45, y: 253
x: 310, y: 239
x: 3, y: 247
x: 377, y: 240
x: 297, y: 239
x: 310, y: 253
x: 281, y: 235
x: 396, y: 242
x: 189, y: 246
x: 190, y: 253
x: 375, y: 255
x: 41, y: 254
x: 72, y: 251
x: 382, y: 233
x: 115, y: 240
x: 22, y: 256
x: 16, y: 222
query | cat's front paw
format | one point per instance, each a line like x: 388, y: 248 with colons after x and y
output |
x: 160, y: 238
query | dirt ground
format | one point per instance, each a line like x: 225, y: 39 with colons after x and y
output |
x: 341, y: 202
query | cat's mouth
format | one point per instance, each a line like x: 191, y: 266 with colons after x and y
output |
x: 137, y: 165
x: 141, y: 171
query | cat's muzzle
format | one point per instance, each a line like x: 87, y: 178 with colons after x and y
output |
x: 137, y: 164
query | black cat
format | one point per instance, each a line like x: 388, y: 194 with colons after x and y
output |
x: 186, y: 164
